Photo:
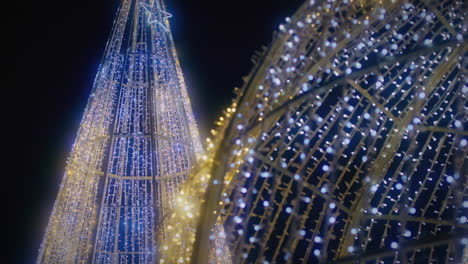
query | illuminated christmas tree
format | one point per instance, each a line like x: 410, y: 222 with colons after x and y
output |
x: 347, y: 142
x: 137, y: 141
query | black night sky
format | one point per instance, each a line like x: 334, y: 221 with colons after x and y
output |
x: 59, y: 45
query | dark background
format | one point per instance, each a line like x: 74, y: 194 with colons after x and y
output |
x: 57, y: 49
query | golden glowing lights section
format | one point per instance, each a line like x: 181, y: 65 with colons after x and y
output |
x: 347, y: 143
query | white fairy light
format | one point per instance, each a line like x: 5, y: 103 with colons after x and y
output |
x: 407, y: 233
x: 237, y: 219
x: 462, y: 220
x: 325, y: 168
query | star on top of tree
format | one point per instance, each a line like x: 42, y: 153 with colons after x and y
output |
x: 156, y: 15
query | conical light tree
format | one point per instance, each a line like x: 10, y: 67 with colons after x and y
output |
x: 136, y: 144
